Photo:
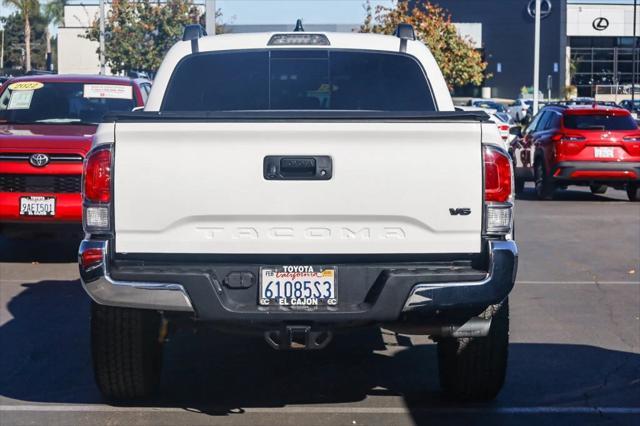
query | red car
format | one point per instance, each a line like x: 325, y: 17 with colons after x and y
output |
x: 46, y: 126
x: 595, y: 146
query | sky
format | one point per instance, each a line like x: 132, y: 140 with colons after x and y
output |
x: 278, y: 11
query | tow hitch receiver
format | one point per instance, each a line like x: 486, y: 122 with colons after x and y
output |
x: 297, y: 337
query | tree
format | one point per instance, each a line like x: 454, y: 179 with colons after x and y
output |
x: 14, y: 41
x: 139, y: 33
x: 54, y: 14
x: 460, y: 63
x: 27, y: 9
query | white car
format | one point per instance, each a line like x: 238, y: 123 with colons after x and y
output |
x: 519, y: 108
x: 318, y: 182
x: 503, y: 134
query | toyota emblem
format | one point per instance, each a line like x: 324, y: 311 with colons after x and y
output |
x: 39, y: 160
x: 600, y: 24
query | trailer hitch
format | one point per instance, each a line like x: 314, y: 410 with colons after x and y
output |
x: 298, y: 337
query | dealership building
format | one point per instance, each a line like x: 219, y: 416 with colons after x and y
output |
x: 588, y: 44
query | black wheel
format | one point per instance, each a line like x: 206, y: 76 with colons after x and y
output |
x: 633, y: 192
x: 519, y: 186
x: 598, y: 189
x: 127, y: 353
x: 544, y: 186
x: 474, y: 368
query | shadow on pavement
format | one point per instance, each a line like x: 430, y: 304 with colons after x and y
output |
x: 574, y: 194
x: 41, y: 250
x: 45, y: 357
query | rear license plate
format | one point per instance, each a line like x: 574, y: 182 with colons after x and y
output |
x: 300, y: 285
x: 603, y: 152
x: 37, y: 206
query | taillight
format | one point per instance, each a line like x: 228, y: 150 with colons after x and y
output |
x: 563, y: 137
x: 97, y: 176
x: 497, y: 175
x: 498, y: 192
x: 97, y: 190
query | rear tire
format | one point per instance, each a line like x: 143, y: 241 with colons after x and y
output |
x: 598, y: 189
x: 633, y: 192
x: 474, y: 368
x: 544, y: 185
x: 127, y: 354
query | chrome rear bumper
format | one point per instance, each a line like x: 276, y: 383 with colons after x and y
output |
x: 94, y: 274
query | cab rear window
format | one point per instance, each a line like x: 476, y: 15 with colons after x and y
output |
x: 600, y: 122
x: 298, y: 79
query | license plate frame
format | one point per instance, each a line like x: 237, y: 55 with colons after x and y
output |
x: 304, y: 286
x: 603, y: 152
x: 27, y: 202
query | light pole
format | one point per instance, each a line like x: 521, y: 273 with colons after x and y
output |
x: 536, y: 60
x: 2, y: 51
x: 210, y: 16
x: 634, y: 69
x: 102, y: 43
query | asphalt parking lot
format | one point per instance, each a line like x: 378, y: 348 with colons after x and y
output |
x: 574, y: 357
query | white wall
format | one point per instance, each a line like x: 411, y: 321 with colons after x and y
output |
x: 77, y: 55
x: 580, y: 18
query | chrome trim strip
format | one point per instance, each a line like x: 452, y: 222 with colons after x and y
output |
x: 52, y: 157
x: 104, y: 290
x: 416, y: 300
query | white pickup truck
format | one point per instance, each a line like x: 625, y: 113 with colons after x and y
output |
x: 295, y: 185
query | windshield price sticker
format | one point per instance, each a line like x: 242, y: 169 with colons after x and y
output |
x: 108, y: 91
x: 26, y: 85
x: 20, y: 99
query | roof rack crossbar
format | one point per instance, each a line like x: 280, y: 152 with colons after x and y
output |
x: 193, y: 32
x: 405, y: 32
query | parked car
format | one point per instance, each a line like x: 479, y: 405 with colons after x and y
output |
x: 593, y: 145
x: 518, y: 109
x: 287, y: 212
x: 504, y: 129
x: 489, y: 104
x: 632, y: 106
x: 47, y: 123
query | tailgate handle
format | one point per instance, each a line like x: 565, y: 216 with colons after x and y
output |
x: 297, y: 167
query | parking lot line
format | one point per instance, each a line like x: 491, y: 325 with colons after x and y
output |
x: 579, y: 282
x: 332, y: 410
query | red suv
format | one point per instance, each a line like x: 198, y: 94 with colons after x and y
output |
x: 46, y: 127
x: 595, y: 146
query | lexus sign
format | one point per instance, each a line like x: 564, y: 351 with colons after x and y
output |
x: 600, y: 24
x: 545, y: 8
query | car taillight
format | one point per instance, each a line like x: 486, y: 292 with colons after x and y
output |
x: 504, y: 127
x: 97, y: 176
x: 498, y: 192
x: 97, y: 190
x: 563, y: 137
x: 497, y: 175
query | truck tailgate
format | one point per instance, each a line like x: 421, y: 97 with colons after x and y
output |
x: 184, y: 187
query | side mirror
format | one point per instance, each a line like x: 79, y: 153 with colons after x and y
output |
x: 516, y: 131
